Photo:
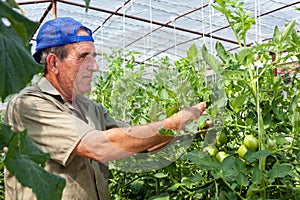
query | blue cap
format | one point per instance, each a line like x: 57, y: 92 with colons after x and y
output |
x: 58, y: 32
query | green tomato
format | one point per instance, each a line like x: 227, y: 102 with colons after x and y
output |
x: 271, y: 144
x: 221, y: 138
x: 242, y: 151
x: 221, y: 155
x: 251, y: 142
x: 212, y: 150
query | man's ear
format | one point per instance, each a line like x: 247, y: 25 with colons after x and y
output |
x: 52, y: 63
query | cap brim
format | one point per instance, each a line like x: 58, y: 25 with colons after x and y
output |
x: 37, y: 56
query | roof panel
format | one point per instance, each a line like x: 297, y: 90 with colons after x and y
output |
x: 164, y: 27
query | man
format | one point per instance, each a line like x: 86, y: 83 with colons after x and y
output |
x: 78, y: 133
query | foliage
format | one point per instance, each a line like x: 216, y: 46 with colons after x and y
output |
x: 2, y: 195
x: 17, y: 62
x: 23, y: 158
x: 125, y: 92
x: 248, y: 99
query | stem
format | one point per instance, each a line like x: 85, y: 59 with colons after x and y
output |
x: 157, y: 186
x: 244, y: 127
x: 228, y: 185
x: 217, y: 191
x: 261, y: 134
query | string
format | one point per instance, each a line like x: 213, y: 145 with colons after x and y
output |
x: 175, y: 38
x: 124, y: 35
x: 211, y: 12
x: 259, y: 21
x: 151, y: 29
x: 203, y: 37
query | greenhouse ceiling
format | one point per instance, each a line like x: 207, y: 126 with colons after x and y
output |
x: 159, y: 28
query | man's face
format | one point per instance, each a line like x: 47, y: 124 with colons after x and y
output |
x: 77, y: 68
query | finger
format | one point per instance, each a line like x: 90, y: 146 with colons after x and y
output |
x: 209, y: 123
x: 201, y: 106
x: 204, y: 113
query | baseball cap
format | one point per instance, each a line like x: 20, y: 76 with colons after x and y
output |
x: 58, y: 32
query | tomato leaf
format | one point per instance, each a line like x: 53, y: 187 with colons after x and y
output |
x: 287, y: 31
x: 222, y: 53
x: 202, y: 160
x: 256, y: 175
x: 212, y: 61
x: 242, y: 180
x: 229, y: 168
x: 279, y: 170
x: 252, y: 156
x: 192, y: 53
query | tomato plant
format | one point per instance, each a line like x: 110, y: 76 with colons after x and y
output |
x: 212, y: 150
x: 242, y: 150
x: 247, y: 99
x: 221, y: 138
x: 251, y: 142
x: 221, y: 155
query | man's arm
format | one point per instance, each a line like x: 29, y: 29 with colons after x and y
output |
x: 119, y: 143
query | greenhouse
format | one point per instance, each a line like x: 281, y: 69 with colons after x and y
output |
x: 156, y: 60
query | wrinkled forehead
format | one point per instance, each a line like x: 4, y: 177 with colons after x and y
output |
x: 81, y: 48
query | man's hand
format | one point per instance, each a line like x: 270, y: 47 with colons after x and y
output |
x: 179, y: 120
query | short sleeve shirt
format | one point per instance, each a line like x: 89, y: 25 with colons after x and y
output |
x: 56, y: 128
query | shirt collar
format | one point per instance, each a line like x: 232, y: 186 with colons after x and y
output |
x: 47, y: 87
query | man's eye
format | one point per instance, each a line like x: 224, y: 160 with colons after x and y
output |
x: 83, y: 55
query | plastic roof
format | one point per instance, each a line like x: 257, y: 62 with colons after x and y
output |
x: 159, y: 28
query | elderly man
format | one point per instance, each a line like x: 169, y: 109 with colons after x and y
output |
x: 79, y: 134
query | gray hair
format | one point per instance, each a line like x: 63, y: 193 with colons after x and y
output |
x: 60, y: 51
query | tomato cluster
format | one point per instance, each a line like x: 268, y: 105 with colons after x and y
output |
x: 250, y: 142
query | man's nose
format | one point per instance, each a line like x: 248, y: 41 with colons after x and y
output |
x: 94, y: 66
x: 91, y: 63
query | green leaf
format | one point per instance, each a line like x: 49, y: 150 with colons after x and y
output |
x: 276, y: 35
x: 153, y: 112
x: 229, y: 168
x: 222, y: 53
x: 254, y: 188
x: 252, y: 156
x: 238, y: 102
x: 163, y: 196
x: 24, y: 160
x: 212, y: 61
x: 201, y: 122
x: 192, y: 52
x: 257, y: 175
x: 174, y: 187
x: 160, y: 175
x: 23, y: 26
x: 202, y: 160
x: 243, y: 53
x: 279, y: 170
x: 5, y: 135
x: 136, y: 186
x: 287, y: 31
x: 166, y: 132
x: 164, y: 94
x: 17, y: 64
x: 242, y: 180
x: 13, y: 4
x: 87, y: 5
x: 172, y: 110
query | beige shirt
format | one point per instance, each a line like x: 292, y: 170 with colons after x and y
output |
x: 56, y: 128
